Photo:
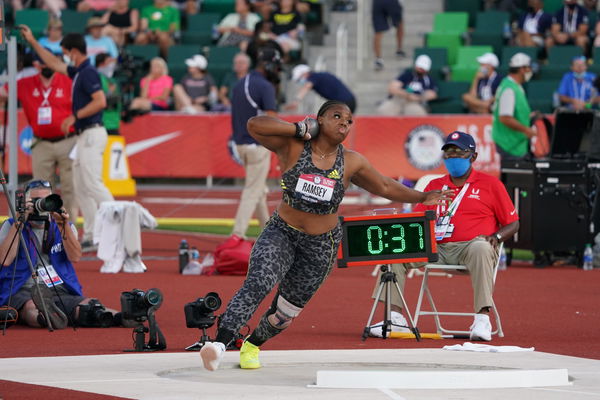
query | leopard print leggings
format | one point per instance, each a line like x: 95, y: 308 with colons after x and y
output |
x: 299, y: 262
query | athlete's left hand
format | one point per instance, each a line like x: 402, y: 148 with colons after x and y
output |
x: 436, y: 197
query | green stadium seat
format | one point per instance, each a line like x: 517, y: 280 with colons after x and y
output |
x: 222, y: 7
x: 451, y: 42
x: 143, y: 51
x: 466, y: 62
x: 439, y: 60
x: 139, y: 4
x: 451, y: 22
x: 492, y: 21
x: 449, y: 99
x: 180, y: 52
x: 492, y: 29
x: 595, y: 67
x: 200, y: 29
x: 36, y: 20
x: 559, y: 61
x: 552, y: 6
x: 541, y: 94
x: 220, y: 61
x: 472, y: 7
x: 73, y: 21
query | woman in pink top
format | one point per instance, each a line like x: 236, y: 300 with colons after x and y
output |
x: 155, y: 88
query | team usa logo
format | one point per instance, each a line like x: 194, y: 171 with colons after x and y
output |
x: 423, y: 147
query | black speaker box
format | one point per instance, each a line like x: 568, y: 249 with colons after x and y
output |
x: 552, y: 198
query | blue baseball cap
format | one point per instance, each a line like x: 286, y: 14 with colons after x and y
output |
x: 460, y: 139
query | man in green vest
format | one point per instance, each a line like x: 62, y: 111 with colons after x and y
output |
x: 511, y: 112
x: 111, y: 117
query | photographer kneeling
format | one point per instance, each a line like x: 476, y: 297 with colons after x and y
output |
x: 52, y: 245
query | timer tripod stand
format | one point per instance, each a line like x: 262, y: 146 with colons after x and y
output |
x: 389, y: 282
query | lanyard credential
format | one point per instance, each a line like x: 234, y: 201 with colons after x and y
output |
x: 441, y: 209
x: 443, y: 227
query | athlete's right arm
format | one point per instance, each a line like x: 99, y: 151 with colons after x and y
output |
x: 271, y: 132
x: 49, y: 59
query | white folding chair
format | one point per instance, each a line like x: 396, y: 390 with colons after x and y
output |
x: 434, y: 311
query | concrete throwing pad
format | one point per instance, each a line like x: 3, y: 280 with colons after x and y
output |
x: 473, y: 379
x: 294, y: 375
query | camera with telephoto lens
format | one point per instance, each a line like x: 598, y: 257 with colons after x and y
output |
x: 199, y: 313
x: 94, y: 315
x: 42, y: 206
x: 136, y: 303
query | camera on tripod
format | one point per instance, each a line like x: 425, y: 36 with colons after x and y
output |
x: 200, y: 313
x: 94, y: 315
x: 42, y: 206
x: 136, y: 303
x: 141, y: 306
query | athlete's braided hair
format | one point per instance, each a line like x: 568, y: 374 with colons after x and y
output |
x: 328, y: 104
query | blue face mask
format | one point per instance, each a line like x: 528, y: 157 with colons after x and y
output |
x: 457, y: 167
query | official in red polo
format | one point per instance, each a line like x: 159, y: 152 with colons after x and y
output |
x: 468, y: 230
x: 46, y: 101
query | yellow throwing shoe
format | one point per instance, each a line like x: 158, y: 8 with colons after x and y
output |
x: 249, y: 356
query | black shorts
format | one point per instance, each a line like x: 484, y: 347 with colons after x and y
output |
x: 384, y: 12
x: 69, y: 300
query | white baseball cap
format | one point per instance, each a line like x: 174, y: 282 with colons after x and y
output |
x: 520, y: 60
x: 298, y: 71
x: 423, y: 62
x: 198, y: 61
x: 488, y: 58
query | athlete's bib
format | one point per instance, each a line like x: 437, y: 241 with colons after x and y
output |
x: 315, y: 188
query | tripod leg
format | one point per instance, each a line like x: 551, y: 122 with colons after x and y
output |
x: 367, y: 329
x: 413, y: 328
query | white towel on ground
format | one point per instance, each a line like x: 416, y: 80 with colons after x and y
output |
x: 486, y: 348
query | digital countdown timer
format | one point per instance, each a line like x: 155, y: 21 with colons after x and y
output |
x: 385, y: 239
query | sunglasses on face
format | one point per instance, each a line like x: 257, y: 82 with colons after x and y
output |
x: 455, y: 151
x: 38, y: 184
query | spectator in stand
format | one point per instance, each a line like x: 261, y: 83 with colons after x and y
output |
x: 534, y: 25
x: 286, y: 24
x: 576, y: 90
x: 511, y: 112
x: 121, y: 23
x: 55, y: 35
x: 54, y: 7
x: 159, y: 24
x: 155, y: 88
x: 570, y: 26
x: 386, y: 14
x: 327, y: 85
x: 263, y: 38
x: 410, y: 92
x: 95, y: 5
x: 111, y: 117
x: 97, y: 43
x: 591, y: 5
x: 241, y: 66
x: 237, y: 28
x: 46, y: 101
x: 480, y: 97
x: 197, y: 91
